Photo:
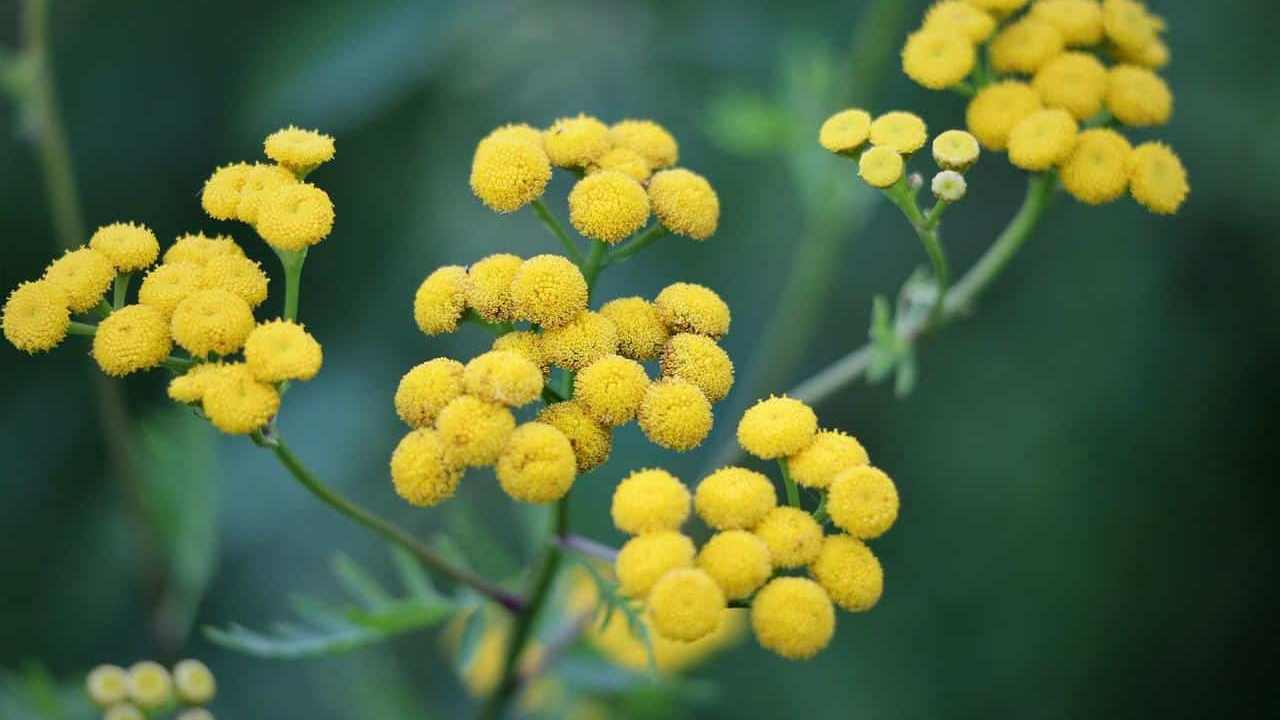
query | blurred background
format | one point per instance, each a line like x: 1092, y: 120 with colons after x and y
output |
x: 1087, y: 525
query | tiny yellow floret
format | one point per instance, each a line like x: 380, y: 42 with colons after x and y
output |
x: 1138, y: 97
x: 548, y: 290
x: 503, y: 376
x: 1097, y: 170
x: 1073, y: 81
x: 777, y: 427
x: 997, y: 108
x: 675, y: 415
x: 282, y: 350
x: 575, y: 345
x: 962, y: 18
x: 623, y: 160
x: 83, y: 275
x: 194, y: 682
x: 685, y: 203
x: 220, y: 197
x: 1079, y: 21
x: 133, y: 338
x: 488, y: 286
x: 881, y: 166
x: 686, y: 604
x: 419, y: 472
x: 296, y: 216
x: 236, y: 273
x: 508, y: 173
x: 845, y: 131
x: 575, y: 142
x: 738, y: 561
x: 261, y: 181
x: 608, y: 206
x: 863, y: 502
x: 849, y: 572
x: 299, y: 150
x: 129, y: 246
x: 537, y: 465
x: 902, y: 131
x: 649, y: 501
x: 734, y: 498
x: 611, y: 389
x: 644, y: 559
x: 1025, y: 46
x: 830, y: 453
x: 649, y: 139
x: 955, y: 150
x: 474, y: 431
x: 426, y: 389
x: 792, y: 535
x: 690, y: 308
x: 36, y: 317
x: 591, y: 441
x: 212, y: 321
x: 699, y: 360
x: 150, y: 685
x: 440, y: 300
x: 793, y: 617
x: 938, y: 59
x: 1043, y: 139
x: 641, y: 332
x: 107, y: 685
x: 1157, y: 179
x: 236, y: 403
x: 199, y: 249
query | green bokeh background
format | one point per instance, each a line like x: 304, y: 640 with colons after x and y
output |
x: 1086, y: 465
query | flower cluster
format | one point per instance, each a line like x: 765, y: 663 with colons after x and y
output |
x: 148, y: 689
x: 883, y: 145
x: 1043, y: 92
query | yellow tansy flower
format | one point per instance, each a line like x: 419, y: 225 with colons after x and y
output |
x: 641, y: 332
x: 734, y: 498
x: 849, y: 572
x: 692, y: 308
x: 1079, y: 21
x: 169, y: 284
x: 649, y: 139
x: 611, y: 389
x: 426, y: 389
x: 107, y: 685
x: 675, y: 415
x: 623, y: 160
x: 123, y: 711
x: 1073, y: 81
x: 220, y: 196
x: 133, y: 338
x: 792, y: 535
x: 548, y: 290
x: 293, y: 217
x: 282, y: 350
x: 150, y: 685
x: 830, y: 453
x: 474, y: 431
x: 508, y: 173
x: 537, y: 465
x: 128, y: 246
x: 83, y: 275
x: 1128, y: 24
x: 960, y: 17
x: 297, y: 149
x: 738, y: 561
x: 440, y: 300
x: 1042, y: 140
x: 777, y: 427
x: 419, y: 472
x: 212, y: 321
x: 685, y: 203
x: 901, y: 131
x: 845, y: 131
x: 644, y: 559
x: 503, y: 376
x: 238, y: 274
x: 261, y: 181
x: 591, y: 441
x: 997, y: 108
x: 793, y: 617
x: 881, y: 166
x: 199, y: 249
x: 1001, y: 7
x: 523, y: 132
x: 863, y: 502
x: 526, y: 343
x: 649, y: 501
x: 1097, y: 169
x: 577, y: 344
x: 955, y: 150
x: 686, y: 604
x: 194, y: 682
x: 699, y: 360
x: 608, y: 206
x: 236, y: 403
x: 576, y: 141
x: 1157, y: 179
x: 1138, y: 97
x: 1025, y: 46
x: 36, y: 317
x: 938, y: 59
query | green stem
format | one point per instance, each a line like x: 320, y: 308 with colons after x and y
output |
x: 927, y: 230
x: 637, y: 243
x: 120, y: 293
x: 540, y: 209
x: 292, y: 261
x: 103, y: 309
x: 79, y: 328
x: 793, y: 492
x: 595, y: 263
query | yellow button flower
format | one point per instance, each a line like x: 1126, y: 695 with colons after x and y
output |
x: 962, y: 18
x: 1138, y: 97
x: 644, y: 559
x: 793, y: 617
x: 641, y: 332
x: 938, y: 59
x: 440, y: 300
x: 523, y: 132
x: 419, y: 472
x: 608, y: 206
x: 845, y: 131
x: 191, y: 386
x: 949, y: 185
x: 734, y: 498
x: 649, y: 501
x: 220, y: 196
x: 738, y: 561
x: 474, y: 431
x: 537, y: 465
x: 675, y: 415
x: 1157, y: 179
x: 199, y: 249
x: 36, y: 316
x: 1075, y: 82
x: 107, y: 685
x: 1097, y: 169
x: 686, y: 604
x: 526, y: 343
x: 1043, y: 139
x: 123, y: 711
x: 488, y: 286
x: 169, y: 284
x: 830, y: 453
x: 294, y: 217
x: 777, y: 427
x: 212, y: 321
x: 503, y: 376
x: 261, y: 181
x: 649, y: 139
x: 691, y: 308
x: 863, y: 502
x: 699, y: 360
x: 573, y: 346
x: 548, y: 290
x: 611, y: 389
x: 591, y: 441
x: 902, y: 131
x: 999, y: 7
x: 881, y: 166
x: 1079, y: 21
x: 955, y: 150
x: 238, y: 274
x: 128, y: 246
x: 194, y: 682
x: 997, y: 108
x: 793, y: 537
x: 426, y: 389
x: 623, y: 160
x: 282, y: 350
x: 83, y: 275
x: 1025, y: 46
x: 1128, y: 24
x: 508, y: 173
x: 150, y: 685
x: 685, y: 203
x: 130, y: 339
x: 299, y: 150
x: 236, y: 403
x: 849, y: 572
x: 576, y: 141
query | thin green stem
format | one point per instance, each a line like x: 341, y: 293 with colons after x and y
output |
x: 793, y: 492
x: 927, y: 230
x: 120, y: 292
x: 934, y: 216
x: 79, y: 328
x: 595, y: 263
x: 637, y: 243
x: 292, y: 261
x: 540, y: 209
x: 103, y: 309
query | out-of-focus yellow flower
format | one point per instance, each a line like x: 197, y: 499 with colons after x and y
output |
x: 220, y: 197
x: 36, y: 316
x: 261, y: 181
x: 793, y: 537
x: 738, y: 561
x: 488, y: 286
x: 236, y: 273
x: 107, y: 685
x: 623, y: 160
x: 191, y: 386
x: 1000, y: 7
x: 537, y: 465
x: 128, y: 246
x: 130, y: 339
x: 641, y: 332
x: 426, y: 389
x: 901, y: 131
x: 1025, y: 46
x: 962, y: 18
x: 675, y: 415
x: 525, y: 343
x: 648, y: 501
x: 616, y: 642
x: 123, y: 711
x: 299, y: 150
x: 997, y: 108
x: 199, y: 249
x: 1138, y: 97
x: 611, y: 389
x: 863, y: 502
x: 692, y: 308
x: 686, y: 604
x: 296, y: 216
x: 83, y: 275
x: 194, y: 682
x: 938, y: 59
x: 419, y: 471
x: 646, y: 558
x: 1128, y: 24
x: 1154, y: 55
x: 1073, y: 81
x: 949, y: 185
x: 1157, y: 179
x: 699, y: 360
x: 955, y: 150
x: 474, y: 431
x: 685, y: 203
x: 1043, y: 139
x: 793, y: 617
x: 881, y: 166
x: 282, y: 350
x: 734, y: 498
x: 508, y: 173
x: 575, y: 345
x: 150, y: 685
x: 169, y: 284
x: 576, y: 141
x: 236, y: 403
x: 1079, y: 21
x: 503, y: 376
x: 591, y: 441
x: 777, y: 427
x: 523, y: 132
x: 608, y: 206
x: 849, y: 572
x: 212, y: 321
x: 1097, y: 169
x: 649, y: 139
x: 548, y: 290
x: 830, y: 453
x: 440, y: 300
x: 845, y: 131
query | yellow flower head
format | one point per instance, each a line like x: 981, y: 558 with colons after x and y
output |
x: 1043, y: 139
x: 589, y: 337
x: 792, y: 535
x: 830, y: 453
x: 523, y: 132
x: 199, y: 249
x: 130, y: 339
x: 685, y: 203
x: 999, y: 7
x: 949, y: 185
x: 128, y: 246
x: 537, y: 465
x: 617, y: 643
x: 282, y: 350
x: 863, y: 502
x: 1128, y: 24
x: 777, y: 427
x: 938, y: 59
x: 297, y: 149
x: 648, y: 138
x: 107, y: 685
x: 169, y: 284
x: 488, y: 286
x: 419, y: 472
x: 239, y: 274
x: 955, y: 150
x: 961, y: 18
x: 212, y: 321
x: 194, y: 682
x: 1138, y: 97
x: 293, y: 217
x: 1079, y: 21
x: 1157, y: 179
x: 611, y: 389
x: 641, y: 333
x: 526, y: 343
x: 83, y: 275
x: 260, y: 182
x: 508, y: 172
x: 1025, y: 46
x: 686, y: 604
x: 738, y: 561
x: 793, y: 617
x: 1154, y: 55
x: 591, y: 441
x: 608, y: 206
x: 194, y: 713
x: 691, y: 308
x: 236, y: 403
x: 734, y: 498
x: 997, y: 108
x: 1097, y: 169
x: 191, y: 386
x: 150, y: 685
x: 1073, y: 81
x: 648, y: 501
x: 123, y: 711
x: 845, y: 131
x: 474, y: 431
x: 675, y: 415
x: 881, y: 166
x: 644, y: 559
x: 902, y: 131
x: 849, y: 572
x: 440, y: 300
x: 36, y: 316
x: 576, y: 141
x: 699, y: 360
x: 623, y: 160
x: 426, y: 389
x: 548, y: 290
x: 220, y: 197
x: 502, y: 376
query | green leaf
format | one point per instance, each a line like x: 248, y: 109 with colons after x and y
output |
x: 884, y: 341
x: 908, y: 371
x: 746, y: 123
x: 32, y: 693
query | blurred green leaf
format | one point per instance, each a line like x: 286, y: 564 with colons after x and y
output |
x: 31, y: 693
x: 747, y: 123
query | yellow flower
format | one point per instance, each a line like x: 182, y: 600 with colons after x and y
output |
x: 282, y: 350
x: 525, y: 343
x: 963, y: 18
x: 699, y: 360
x: 997, y: 108
x: 236, y: 403
x: 591, y: 441
x: 83, y: 275
x: 169, y: 284
x: 685, y: 203
x: 212, y: 321
x: 649, y: 139
x: 675, y: 415
x: 648, y: 501
x: 1043, y: 139
x: 608, y: 206
x: 220, y: 197
x: 426, y: 389
x: 792, y: 535
x: 617, y: 643
x: 130, y: 339
x: 523, y: 132
x: 1138, y: 97
x: 548, y: 290
x: 793, y: 617
x: 1025, y: 46
x: 123, y: 711
x: 902, y: 131
x: 686, y: 604
x: 36, y: 316
x: 194, y: 682
x: 1157, y: 179
x: 129, y: 247
x: 1154, y: 55
x: 537, y: 465
x: 863, y: 502
x: 508, y: 173
x: 611, y: 389
x: 488, y: 286
x: 949, y: 185
x: 419, y: 471
x: 1097, y: 169
x: 644, y: 559
x: 881, y: 166
x: 503, y: 376
x: 149, y: 685
x: 734, y: 498
x: 239, y: 274
x: 1000, y: 7
x: 738, y: 561
x: 261, y: 180
x: 1073, y: 81
x: 830, y: 453
x: 641, y: 333
x: 576, y: 141
x: 293, y: 217
x: 845, y: 131
x: 777, y: 427
x: 623, y: 160
x: 107, y: 685
x: 849, y: 572
x: 938, y: 59
x: 1079, y: 21
x: 440, y: 300
x: 691, y: 308
x: 199, y: 249
x: 1128, y: 24
x: 955, y: 150
x: 589, y: 337
x: 194, y: 713
x: 191, y: 386
x: 474, y: 431
x: 297, y: 149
